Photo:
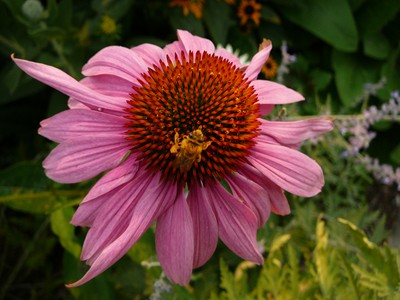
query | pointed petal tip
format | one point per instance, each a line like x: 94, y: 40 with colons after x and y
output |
x: 76, y: 283
x: 266, y: 43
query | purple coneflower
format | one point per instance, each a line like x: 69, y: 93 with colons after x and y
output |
x: 169, y: 125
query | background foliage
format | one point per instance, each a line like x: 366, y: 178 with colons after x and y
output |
x: 333, y: 246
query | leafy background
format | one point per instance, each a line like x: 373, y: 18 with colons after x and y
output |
x: 341, y: 244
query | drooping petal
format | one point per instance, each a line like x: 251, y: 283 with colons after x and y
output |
x: 276, y: 196
x: 258, y: 60
x: 205, y: 226
x: 70, y: 124
x: 117, y: 61
x: 151, y: 54
x: 84, y: 157
x: 147, y: 209
x: 274, y: 93
x: 253, y: 195
x: 290, y: 169
x: 237, y: 224
x: 67, y: 85
x: 291, y: 134
x: 104, y: 189
x: 195, y: 43
x: 124, y: 173
x: 113, y: 218
x: 175, y: 242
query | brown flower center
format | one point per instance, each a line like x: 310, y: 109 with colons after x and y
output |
x: 193, y: 118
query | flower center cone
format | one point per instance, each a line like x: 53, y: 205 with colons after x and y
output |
x: 193, y: 118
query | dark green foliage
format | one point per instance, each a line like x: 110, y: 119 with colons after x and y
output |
x: 333, y: 246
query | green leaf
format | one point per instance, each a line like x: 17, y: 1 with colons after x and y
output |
x: 395, y: 154
x: 324, y: 257
x: 321, y: 79
x: 13, y: 75
x: 330, y: 20
x: 144, y: 248
x: 376, y: 45
x: 382, y: 272
x: 279, y: 242
x: 119, y: 8
x: 65, y: 11
x: 216, y: 17
x: 352, y: 72
x: 65, y: 231
x: 391, y: 72
x: 344, y: 259
x: 228, y: 282
x: 20, y: 192
x: 374, y: 15
x: 188, y: 22
x: 19, y: 176
x: 97, y: 288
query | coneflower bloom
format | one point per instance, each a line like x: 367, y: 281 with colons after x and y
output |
x: 169, y: 125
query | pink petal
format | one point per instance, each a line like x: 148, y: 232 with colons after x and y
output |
x: 194, y: 43
x: 266, y: 109
x: 174, y: 241
x: 274, y: 93
x: 103, y: 190
x: 175, y: 48
x: 290, y: 169
x: 253, y: 195
x: 109, y: 85
x: 237, y: 224
x: 78, y: 122
x: 229, y: 56
x: 86, y: 213
x: 204, y: 225
x: 147, y: 209
x: 291, y: 134
x: 75, y: 104
x: 276, y: 196
x: 151, y: 54
x: 113, y: 217
x: 117, y: 61
x: 69, y: 86
x: 84, y: 157
x: 258, y: 61
x: 127, y: 171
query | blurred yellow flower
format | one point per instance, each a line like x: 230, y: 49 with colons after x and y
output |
x: 108, y: 25
x: 249, y: 10
x: 193, y: 6
x: 270, y: 68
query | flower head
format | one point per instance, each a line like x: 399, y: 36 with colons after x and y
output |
x: 168, y: 124
x: 249, y: 10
